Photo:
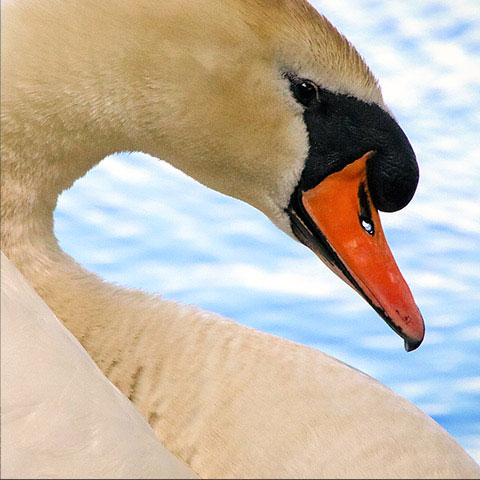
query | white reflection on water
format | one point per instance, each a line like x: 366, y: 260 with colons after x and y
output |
x: 137, y: 221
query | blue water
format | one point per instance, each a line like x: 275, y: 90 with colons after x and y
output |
x: 137, y: 221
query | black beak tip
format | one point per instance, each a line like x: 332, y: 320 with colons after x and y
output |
x: 412, y: 344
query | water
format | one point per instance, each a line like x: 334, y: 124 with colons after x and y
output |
x: 137, y: 221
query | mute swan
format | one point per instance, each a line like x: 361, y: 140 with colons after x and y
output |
x: 266, y: 102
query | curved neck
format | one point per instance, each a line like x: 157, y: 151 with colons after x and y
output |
x: 80, y: 105
x: 64, y: 115
x: 87, y: 98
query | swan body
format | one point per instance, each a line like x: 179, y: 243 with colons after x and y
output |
x: 49, y: 428
x: 207, y: 86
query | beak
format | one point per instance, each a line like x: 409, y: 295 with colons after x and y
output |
x: 338, y: 221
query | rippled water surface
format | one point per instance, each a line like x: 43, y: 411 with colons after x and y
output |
x: 137, y: 221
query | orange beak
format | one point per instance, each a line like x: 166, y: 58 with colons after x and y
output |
x: 343, y: 227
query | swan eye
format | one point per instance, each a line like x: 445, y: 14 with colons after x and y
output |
x: 305, y: 91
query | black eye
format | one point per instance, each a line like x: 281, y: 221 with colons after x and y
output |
x: 305, y: 91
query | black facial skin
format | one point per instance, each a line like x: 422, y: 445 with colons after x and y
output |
x: 342, y: 129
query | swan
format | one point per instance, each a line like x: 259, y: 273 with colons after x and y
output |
x: 263, y: 101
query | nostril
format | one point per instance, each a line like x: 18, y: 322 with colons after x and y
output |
x: 365, y: 214
x: 367, y: 225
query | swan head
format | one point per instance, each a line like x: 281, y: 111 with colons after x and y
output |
x: 280, y: 111
x: 262, y: 100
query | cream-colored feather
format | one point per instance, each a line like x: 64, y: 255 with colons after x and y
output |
x: 61, y: 418
x: 199, y: 84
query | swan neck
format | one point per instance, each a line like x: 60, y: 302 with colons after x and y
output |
x: 32, y: 180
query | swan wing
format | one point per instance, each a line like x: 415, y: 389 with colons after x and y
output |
x: 61, y: 417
